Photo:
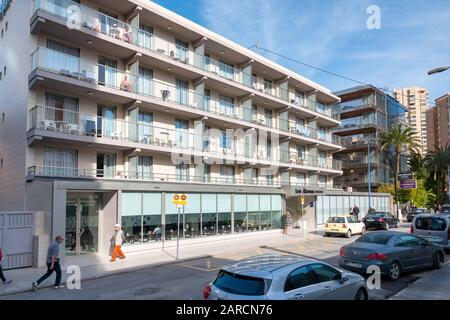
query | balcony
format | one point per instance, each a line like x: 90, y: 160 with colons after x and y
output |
x: 357, y: 125
x: 361, y: 180
x: 357, y: 143
x: 99, y: 76
x: 113, y: 174
x: 125, y: 40
x: 362, y: 162
x: 55, y: 123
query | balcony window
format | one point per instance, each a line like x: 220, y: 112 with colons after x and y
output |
x: 182, y: 133
x: 268, y: 86
x: 145, y: 81
x: 181, y: 51
x: 227, y: 174
x: 268, y: 117
x: 322, y: 181
x: 182, y: 92
x: 301, y: 178
x: 145, y: 36
x: 299, y: 98
x: 225, y: 140
x: 106, y: 165
x: 62, y: 57
x: 63, y: 110
x: 108, y: 20
x: 226, y: 105
x: 107, y: 71
x: 321, y: 133
x: 145, y: 126
x: 60, y: 162
x: 182, y: 172
x: 140, y: 167
x: 106, y: 121
x: 226, y: 70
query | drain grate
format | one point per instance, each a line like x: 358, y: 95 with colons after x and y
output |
x: 146, y: 291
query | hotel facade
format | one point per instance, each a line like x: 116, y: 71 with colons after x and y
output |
x: 108, y: 108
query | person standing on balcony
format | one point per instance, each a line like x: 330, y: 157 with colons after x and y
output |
x: 125, y: 85
x: 117, y: 241
x: 287, y: 222
x: 2, y: 276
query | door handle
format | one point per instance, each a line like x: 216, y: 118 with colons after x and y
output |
x: 327, y: 288
x: 299, y: 296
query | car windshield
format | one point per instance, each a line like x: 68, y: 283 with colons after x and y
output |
x: 376, y: 215
x: 241, y: 285
x: 379, y: 238
x: 432, y: 223
x: 336, y: 220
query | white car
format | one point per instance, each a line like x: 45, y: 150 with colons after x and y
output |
x: 284, y: 277
x: 344, y: 225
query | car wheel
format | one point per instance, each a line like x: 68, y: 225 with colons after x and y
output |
x: 437, y: 261
x: 361, y: 294
x: 348, y: 234
x: 386, y: 226
x: 394, y: 271
x: 363, y: 231
x: 326, y: 234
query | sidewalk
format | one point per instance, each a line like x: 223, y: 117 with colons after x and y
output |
x: 97, y: 265
x: 433, y: 286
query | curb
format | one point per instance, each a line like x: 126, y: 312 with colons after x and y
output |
x: 114, y: 272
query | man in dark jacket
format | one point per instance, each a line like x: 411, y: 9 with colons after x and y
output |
x: 356, y: 211
x: 2, y: 276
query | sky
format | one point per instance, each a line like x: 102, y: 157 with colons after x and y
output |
x: 333, y: 35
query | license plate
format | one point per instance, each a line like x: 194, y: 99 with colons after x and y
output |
x: 354, y: 265
x: 370, y: 220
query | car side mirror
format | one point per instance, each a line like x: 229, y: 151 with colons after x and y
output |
x: 344, y: 277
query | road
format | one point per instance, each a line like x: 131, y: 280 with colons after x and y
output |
x: 185, y: 281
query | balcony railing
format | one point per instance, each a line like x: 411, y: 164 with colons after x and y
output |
x: 348, y: 180
x: 209, y: 143
x: 86, y: 18
x: 112, y: 173
x: 350, y: 142
x: 74, y: 67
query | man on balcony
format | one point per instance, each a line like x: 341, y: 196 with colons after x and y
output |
x: 125, y: 85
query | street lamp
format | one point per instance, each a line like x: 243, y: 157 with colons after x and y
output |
x: 368, y: 161
x: 438, y: 70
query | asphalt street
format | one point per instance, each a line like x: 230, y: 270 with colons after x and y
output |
x: 185, y: 281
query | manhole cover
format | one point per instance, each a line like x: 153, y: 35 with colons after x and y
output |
x: 146, y: 291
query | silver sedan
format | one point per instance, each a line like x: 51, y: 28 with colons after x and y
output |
x: 284, y: 277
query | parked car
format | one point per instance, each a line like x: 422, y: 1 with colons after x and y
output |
x: 344, y: 225
x: 380, y: 220
x: 284, y: 277
x: 392, y: 252
x: 415, y: 211
x: 435, y: 228
x: 445, y: 209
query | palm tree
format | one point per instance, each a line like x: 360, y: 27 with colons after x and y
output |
x: 397, y: 137
x: 437, y: 163
x: 417, y: 164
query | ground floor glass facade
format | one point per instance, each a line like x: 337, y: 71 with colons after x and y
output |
x: 206, y: 214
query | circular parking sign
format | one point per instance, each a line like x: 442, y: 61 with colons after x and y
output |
x: 183, y: 197
x: 176, y: 197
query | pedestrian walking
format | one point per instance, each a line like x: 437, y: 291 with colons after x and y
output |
x: 2, y: 276
x: 117, y: 241
x: 287, y: 222
x: 157, y: 233
x: 52, y: 264
x: 356, y: 211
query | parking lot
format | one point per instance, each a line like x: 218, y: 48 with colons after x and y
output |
x: 186, y: 280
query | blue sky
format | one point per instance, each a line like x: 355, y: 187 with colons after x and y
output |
x: 333, y: 35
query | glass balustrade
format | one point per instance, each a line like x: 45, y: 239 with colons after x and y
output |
x: 74, y: 67
x: 83, y: 17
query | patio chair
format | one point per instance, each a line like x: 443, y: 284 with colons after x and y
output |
x: 49, y: 125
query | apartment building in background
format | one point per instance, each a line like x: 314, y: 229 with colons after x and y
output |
x: 438, y: 123
x: 416, y: 100
x: 366, y: 112
x: 108, y: 108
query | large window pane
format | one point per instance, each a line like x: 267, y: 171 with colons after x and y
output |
x: 151, y: 225
x: 209, y: 214
x: 253, y: 212
x: 132, y: 217
x: 192, y: 224
x: 240, y: 213
x: 224, y: 213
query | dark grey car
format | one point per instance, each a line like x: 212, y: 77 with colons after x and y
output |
x: 392, y: 252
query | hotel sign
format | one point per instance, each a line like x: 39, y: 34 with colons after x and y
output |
x: 308, y: 191
x: 408, y: 184
x: 4, y: 5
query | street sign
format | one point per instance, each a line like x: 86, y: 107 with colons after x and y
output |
x: 405, y: 176
x: 311, y: 204
x: 179, y: 199
x: 408, y: 184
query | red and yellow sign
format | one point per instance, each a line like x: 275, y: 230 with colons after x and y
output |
x: 179, y: 199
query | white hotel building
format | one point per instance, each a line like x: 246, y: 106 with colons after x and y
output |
x: 96, y: 97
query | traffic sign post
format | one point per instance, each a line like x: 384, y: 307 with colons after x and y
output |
x: 179, y: 200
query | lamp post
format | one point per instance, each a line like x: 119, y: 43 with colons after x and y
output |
x: 369, y: 171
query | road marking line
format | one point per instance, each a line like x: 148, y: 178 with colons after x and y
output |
x: 197, y: 268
